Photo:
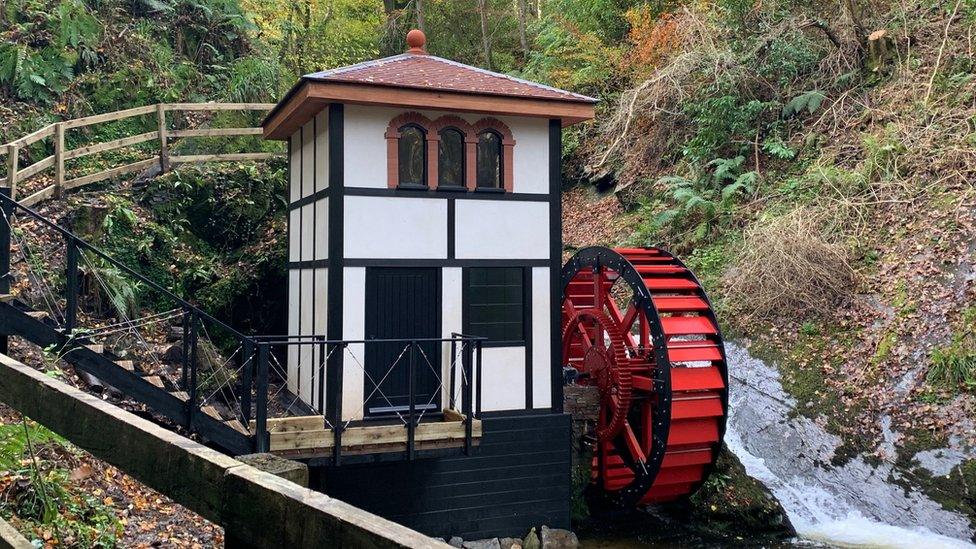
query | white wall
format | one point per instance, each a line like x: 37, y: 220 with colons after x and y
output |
x: 503, y: 378
x: 451, y: 296
x: 307, y: 240
x: 541, y: 367
x: 365, y: 146
x: 497, y: 229
x: 387, y: 227
x: 353, y: 328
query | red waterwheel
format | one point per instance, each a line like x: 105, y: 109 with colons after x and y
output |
x: 637, y: 325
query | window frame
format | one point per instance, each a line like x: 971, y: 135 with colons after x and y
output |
x: 525, y: 306
x: 424, y: 161
x: 464, y: 157
x: 500, y: 186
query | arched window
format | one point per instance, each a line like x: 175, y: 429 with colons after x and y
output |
x: 450, y: 158
x: 489, y: 160
x: 412, y: 156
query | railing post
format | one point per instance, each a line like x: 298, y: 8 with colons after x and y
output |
x: 412, y: 389
x: 185, y: 369
x: 71, y: 286
x: 13, y: 151
x: 477, y: 376
x: 194, y: 335
x: 6, y: 210
x: 337, y: 426
x: 247, y: 381
x: 261, y: 413
x: 450, y: 397
x: 466, y: 381
x: 59, y: 159
x: 321, y: 374
x: 163, y: 144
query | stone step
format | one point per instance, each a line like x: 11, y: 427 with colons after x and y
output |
x: 96, y: 348
x: 212, y: 412
x: 182, y: 395
x: 126, y: 364
x: 237, y: 426
x: 155, y: 380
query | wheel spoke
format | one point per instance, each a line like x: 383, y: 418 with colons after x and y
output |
x: 633, y: 445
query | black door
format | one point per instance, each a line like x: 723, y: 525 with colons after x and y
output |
x: 402, y: 303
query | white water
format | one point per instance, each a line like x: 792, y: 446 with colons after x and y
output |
x: 854, y: 505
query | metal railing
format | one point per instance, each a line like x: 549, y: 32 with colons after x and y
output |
x: 327, y: 364
x: 246, y: 373
x: 55, y: 162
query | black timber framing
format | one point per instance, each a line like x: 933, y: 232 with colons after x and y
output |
x: 446, y: 194
x: 395, y: 262
x: 527, y: 330
x: 336, y: 190
x: 556, y: 259
x: 518, y: 478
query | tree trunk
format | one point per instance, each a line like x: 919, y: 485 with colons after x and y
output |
x: 485, y: 40
x: 523, y: 40
x: 420, y: 15
x: 389, y: 6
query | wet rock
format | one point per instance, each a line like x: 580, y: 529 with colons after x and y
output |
x: 455, y: 541
x: 733, y: 504
x: 173, y: 354
x: 510, y: 543
x: 531, y: 540
x: 491, y: 543
x: 557, y: 538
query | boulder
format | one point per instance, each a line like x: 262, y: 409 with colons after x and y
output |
x: 491, y: 543
x: 531, y: 540
x: 455, y: 541
x: 557, y: 538
x: 510, y: 543
x: 173, y: 354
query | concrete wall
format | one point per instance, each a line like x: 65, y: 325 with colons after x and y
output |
x: 252, y: 505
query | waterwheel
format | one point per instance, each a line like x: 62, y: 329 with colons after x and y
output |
x: 638, y: 326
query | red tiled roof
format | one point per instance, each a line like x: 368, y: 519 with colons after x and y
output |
x: 409, y: 70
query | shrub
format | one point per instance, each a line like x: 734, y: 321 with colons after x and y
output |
x: 788, y: 267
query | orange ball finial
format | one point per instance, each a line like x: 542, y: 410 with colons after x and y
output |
x: 416, y: 40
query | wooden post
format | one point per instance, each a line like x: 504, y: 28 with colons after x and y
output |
x: 71, y: 286
x: 59, y: 159
x: 6, y: 211
x: 163, y: 145
x: 12, y: 152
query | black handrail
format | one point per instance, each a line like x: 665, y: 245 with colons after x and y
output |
x: 84, y: 244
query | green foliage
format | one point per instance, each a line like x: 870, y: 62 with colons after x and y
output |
x: 223, y: 205
x: 39, y: 495
x: 808, y: 101
x: 565, y: 58
x: 954, y: 366
x: 699, y: 204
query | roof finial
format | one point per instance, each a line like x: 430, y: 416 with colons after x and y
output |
x: 416, y: 40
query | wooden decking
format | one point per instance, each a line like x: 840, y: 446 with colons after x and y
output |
x: 307, y: 436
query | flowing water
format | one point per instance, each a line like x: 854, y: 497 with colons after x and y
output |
x: 857, y: 504
x: 854, y: 505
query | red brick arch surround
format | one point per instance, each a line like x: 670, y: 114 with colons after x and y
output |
x: 433, y: 129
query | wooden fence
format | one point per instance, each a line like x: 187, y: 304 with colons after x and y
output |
x: 162, y: 135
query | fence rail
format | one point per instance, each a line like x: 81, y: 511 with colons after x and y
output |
x: 56, y: 162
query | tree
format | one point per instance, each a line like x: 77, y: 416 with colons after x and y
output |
x: 485, y: 39
x: 420, y: 15
x: 523, y: 40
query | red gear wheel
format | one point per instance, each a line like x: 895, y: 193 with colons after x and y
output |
x: 605, y: 364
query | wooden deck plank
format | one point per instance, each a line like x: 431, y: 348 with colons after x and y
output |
x: 394, y: 436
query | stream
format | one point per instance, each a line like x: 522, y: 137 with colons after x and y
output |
x: 854, y: 505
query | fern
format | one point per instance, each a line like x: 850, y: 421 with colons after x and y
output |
x: 809, y: 101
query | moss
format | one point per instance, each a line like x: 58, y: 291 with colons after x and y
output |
x: 804, y: 376
x: 733, y: 505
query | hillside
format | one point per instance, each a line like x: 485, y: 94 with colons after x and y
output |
x: 813, y: 162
